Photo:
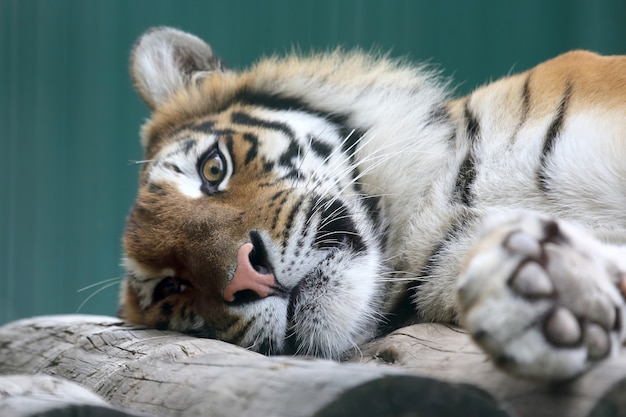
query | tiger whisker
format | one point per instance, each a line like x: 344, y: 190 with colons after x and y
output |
x: 145, y: 161
x: 106, y: 281
x: 104, y: 287
x: 340, y: 151
x: 379, y: 159
x: 331, y: 219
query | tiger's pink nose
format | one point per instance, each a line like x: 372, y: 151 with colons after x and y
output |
x: 252, y: 277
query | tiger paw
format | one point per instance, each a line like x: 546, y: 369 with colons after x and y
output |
x: 543, y: 299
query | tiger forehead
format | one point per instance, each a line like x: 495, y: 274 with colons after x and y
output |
x: 248, y: 132
x: 241, y: 122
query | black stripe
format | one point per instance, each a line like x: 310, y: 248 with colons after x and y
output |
x: 253, y: 140
x: 462, y: 222
x: 292, y: 175
x: 336, y: 225
x: 276, y: 195
x: 350, y: 139
x: 467, y: 170
x: 525, y: 111
x: 525, y: 100
x: 173, y: 167
x: 277, y: 214
x: 553, y: 132
x: 226, y: 322
x: 204, y: 126
x: 349, y: 134
x: 472, y: 125
x: 323, y: 150
x: 402, y: 314
x: 293, y: 150
x: 222, y: 132
x: 268, y: 166
x: 291, y: 217
x: 154, y: 140
x: 439, y: 115
x: 373, y: 211
x: 281, y: 205
x: 314, y: 206
x: 465, y: 179
x: 188, y: 144
x: 237, y: 338
x: 405, y: 312
x: 372, y: 207
x: 273, y: 183
x: 156, y: 189
x: 267, y: 100
x: 245, y: 119
x: 274, y: 101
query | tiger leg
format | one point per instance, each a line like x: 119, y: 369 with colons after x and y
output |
x: 544, y: 299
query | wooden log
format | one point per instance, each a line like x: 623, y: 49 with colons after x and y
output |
x: 446, y: 353
x: 48, y: 396
x: 169, y: 374
x: 420, y: 370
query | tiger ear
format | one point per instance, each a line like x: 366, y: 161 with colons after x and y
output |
x: 165, y: 60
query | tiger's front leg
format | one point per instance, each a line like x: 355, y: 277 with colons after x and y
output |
x: 542, y: 298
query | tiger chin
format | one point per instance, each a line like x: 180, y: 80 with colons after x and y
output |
x: 312, y: 203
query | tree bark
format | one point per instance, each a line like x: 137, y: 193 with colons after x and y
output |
x: 421, y: 370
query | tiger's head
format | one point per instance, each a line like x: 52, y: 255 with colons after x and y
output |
x: 251, y: 224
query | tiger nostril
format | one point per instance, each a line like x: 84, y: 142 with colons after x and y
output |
x: 258, y: 255
x: 244, y: 297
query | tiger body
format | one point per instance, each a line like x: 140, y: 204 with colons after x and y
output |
x: 311, y: 203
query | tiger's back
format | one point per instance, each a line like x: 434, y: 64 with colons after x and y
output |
x: 301, y: 206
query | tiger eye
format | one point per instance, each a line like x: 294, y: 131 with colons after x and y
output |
x: 213, y: 169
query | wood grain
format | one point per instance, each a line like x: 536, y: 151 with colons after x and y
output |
x: 421, y: 370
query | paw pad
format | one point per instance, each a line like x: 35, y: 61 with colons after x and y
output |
x: 562, y: 328
x: 524, y: 244
x: 532, y: 281
x: 597, y: 341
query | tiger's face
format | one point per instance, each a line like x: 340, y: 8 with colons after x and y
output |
x: 250, y: 224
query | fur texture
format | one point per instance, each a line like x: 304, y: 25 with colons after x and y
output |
x: 311, y: 203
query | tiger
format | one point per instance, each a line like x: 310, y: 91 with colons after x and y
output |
x: 315, y: 202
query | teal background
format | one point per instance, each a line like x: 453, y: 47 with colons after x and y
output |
x: 69, y: 119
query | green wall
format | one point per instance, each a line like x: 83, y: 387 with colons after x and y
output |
x: 69, y: 119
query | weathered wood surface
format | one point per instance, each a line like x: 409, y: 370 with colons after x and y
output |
x: 48, y: 396
x: 447, y: 354
x: 421, y: 370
